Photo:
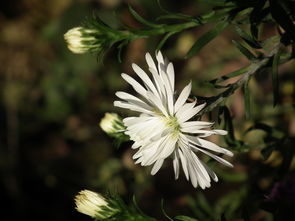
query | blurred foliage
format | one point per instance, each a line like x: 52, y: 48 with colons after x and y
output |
x: 52, y: 102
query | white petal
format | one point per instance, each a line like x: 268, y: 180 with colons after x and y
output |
x: 183, y: 163
x: 137, y: 87
x: 217, y: 158
x: 169, y: 94
x: 131, y: 107
x: 160, y: 58
x: 157, y: 166
x: 176, y: 164
x: 150, y: 61
x: 159, y: 83
x: 183, y: 96
x: 200, y: 124
x: 171, y: 75
x: 210, y: 172
x: 212, y: 146
x: 132, y: 99
x: 144, y: 77
x: 189, y: 114
x: 157, y: 102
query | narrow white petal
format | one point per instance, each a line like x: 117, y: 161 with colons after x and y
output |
x: 217, y: 158
x: 133, y: 100
x: 189, y: 114
x: 131, y: 107
x: 176, y: 164
x: 150, y: 61
x: 200, y: 124
x: 183, y: 96
x: 221, y: 132
x: 183, y: 163
x: 157, y: 166
x: 169, y: 94
x: 157, y: 102
x: 171, y: 75
x: 145, y: 78
x: 210, y: 172
x: 136, y: 86
x: 160, y: 58
x: 159, y: 83
x: 212, y: 146
x: 168, y: 148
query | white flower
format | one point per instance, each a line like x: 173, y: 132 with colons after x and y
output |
x: 94, y: 205
x: 163, y: 128
x: 80, y: 40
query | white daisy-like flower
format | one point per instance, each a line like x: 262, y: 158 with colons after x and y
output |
x: 163, y: 128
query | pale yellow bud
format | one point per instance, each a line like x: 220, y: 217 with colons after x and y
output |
x: 77, y: 42
x: 93, y: 204
x: 111, y: 123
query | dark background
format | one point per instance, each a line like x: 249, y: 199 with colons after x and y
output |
x: 52, y: 102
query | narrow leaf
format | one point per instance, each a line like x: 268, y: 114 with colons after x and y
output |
x: 244, y: 50
x: 275, y: 81
x: 164, y: 39
x: 206, y: 38
x: 185, y: 218
x: 247, y: 99
x: 230, y: 75
x: 247, y: 38
x: 141, y: 19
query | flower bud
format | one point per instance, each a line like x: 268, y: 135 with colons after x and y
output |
x: 81, y: 40
x: 94, y: 205
x: 112, y: 124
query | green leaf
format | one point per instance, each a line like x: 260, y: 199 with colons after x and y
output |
x: 142, y: 20
x: 230, y: 75
x: 164, y: 39
x: 206, y: 38
x: 244, y: 50
x: 247, y: 38
x: 185, y: 218
x: 247, y: 99
x: 275, y: 81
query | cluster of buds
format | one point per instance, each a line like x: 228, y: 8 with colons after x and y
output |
x: 94, y: 205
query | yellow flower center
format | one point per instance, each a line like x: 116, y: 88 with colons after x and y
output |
x: 172, y: 122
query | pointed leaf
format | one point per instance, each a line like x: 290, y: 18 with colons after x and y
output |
x: 244, y: 50
x: 164, y: 39
x: 247, y: 38
x: 141, y: 19
x: 230, y: 75
x: 206, y: 38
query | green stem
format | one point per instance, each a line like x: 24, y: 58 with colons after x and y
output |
x: 252, y: 69
x: 135, y: 34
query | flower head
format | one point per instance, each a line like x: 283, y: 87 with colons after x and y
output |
x: 164, y: 128
x: 94, y: 205
x: 81, y: 40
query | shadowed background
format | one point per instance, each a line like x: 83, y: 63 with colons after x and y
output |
x: 52, y: 101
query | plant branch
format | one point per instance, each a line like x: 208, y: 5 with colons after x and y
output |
x: 252, y: 69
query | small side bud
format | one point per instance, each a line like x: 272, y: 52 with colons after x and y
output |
x: 94, y: 205
x: 81, y: 40
x: 112, y: 124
